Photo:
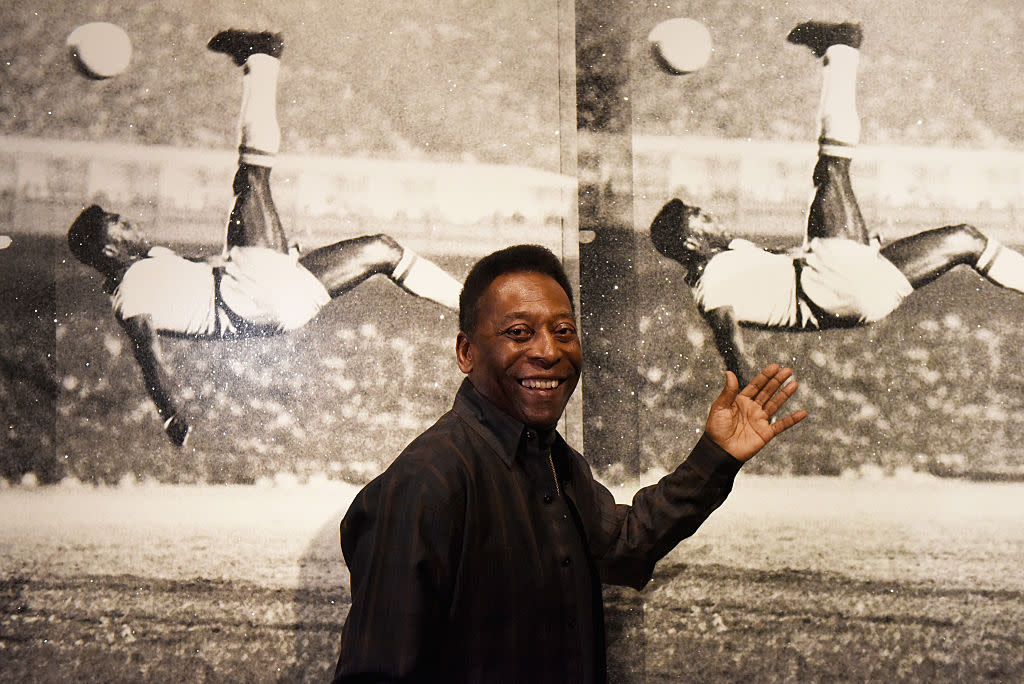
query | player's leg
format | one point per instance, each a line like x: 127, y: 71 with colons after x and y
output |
x: 925, y: 256
x: 834, y: 211
x: 343, y: 265
x: 254, y: 220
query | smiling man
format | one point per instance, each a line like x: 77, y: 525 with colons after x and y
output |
x: 478, y: 555
x: 524, y: 355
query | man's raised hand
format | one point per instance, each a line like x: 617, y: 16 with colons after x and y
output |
x: 743, y: 422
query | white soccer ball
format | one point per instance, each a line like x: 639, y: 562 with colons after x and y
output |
x: 681, y: 45
x: 100, y: 49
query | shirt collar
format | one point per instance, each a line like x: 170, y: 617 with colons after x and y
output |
x: 502, y: 432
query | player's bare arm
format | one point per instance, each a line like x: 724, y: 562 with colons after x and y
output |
x: 729, y: 342
x: 160, y: 385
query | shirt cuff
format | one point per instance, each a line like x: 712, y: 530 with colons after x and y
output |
x: 707, y: 458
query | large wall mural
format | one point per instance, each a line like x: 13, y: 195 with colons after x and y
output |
x: 171, y: 497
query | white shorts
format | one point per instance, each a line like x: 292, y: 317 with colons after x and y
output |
x: 269, y: 290
x: 851, y: 280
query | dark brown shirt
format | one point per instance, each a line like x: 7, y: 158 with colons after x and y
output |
x: 474, y: 557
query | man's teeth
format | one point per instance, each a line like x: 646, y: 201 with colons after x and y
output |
x: 539, y: 384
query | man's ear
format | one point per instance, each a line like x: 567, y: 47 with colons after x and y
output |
x: 464, y: 352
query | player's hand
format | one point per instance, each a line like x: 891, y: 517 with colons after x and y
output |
x: 178, y: 430
x: 742, y: 423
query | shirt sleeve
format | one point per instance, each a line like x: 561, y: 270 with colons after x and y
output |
x: 400, y: 541
x: 631, y: 539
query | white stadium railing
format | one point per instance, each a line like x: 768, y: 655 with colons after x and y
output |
x: 892, y: 183
x: 461, y: 208
x: 470, y: 208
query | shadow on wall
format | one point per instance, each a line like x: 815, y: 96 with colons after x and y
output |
x: 322, y: 599
x: 320, y: 605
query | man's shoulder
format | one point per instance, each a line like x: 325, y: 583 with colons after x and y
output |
x: 743, y: 258
x: 443, y: 448
x: 435, y: 466
x: 163, y: 262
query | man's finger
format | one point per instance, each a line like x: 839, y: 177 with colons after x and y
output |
x: 772, y: 386
x: 783, y: 424
x: 728, y: 394
x: 756, y: 385
x: 789, y: 386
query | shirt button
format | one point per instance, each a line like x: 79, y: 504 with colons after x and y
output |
x: 566, y: 562
x: 572, y: 624
x: 548, y: 498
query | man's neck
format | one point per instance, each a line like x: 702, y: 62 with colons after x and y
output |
x: 115, y: 274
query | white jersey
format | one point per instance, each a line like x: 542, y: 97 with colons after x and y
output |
x: 759, y: 286
x: 254, y: 290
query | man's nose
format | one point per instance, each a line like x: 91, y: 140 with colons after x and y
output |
x: 545, y: 347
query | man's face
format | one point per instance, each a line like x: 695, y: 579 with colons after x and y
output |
x: 703, y: 238
x: 701, y: 221
x: 525, y: 353
x: 688, y: 235
x: 124, y: 241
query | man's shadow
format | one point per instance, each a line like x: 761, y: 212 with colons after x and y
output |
x: 321, y: 602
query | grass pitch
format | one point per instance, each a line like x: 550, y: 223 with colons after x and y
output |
x: 793, y: 579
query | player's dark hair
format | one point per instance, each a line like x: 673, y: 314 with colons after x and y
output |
x: 87, y: 236
x: 691, y: 247
x: 670, y: 227
x: 515, y: 259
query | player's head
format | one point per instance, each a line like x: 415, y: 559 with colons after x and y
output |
x: 105, y: 241
x: 518, y: 342
x: 688, y: 235
x: 515, y: 259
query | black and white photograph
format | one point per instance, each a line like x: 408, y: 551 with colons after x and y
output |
x: 566, y: 341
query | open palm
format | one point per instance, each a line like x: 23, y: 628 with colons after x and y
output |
x: 743, y: 422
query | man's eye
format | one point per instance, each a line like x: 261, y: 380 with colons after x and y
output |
x: 565, y: 333
x: 519, y: 333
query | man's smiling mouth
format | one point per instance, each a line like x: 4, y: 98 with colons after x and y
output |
x: 534, y: 383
